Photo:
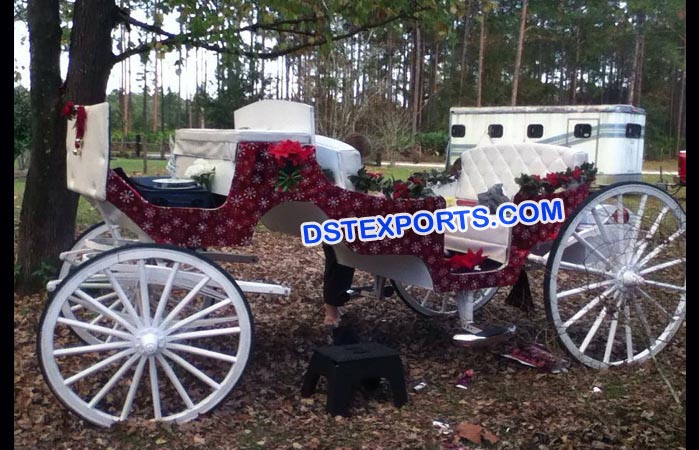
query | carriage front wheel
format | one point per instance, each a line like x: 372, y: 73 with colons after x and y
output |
x: 164, y: 349
x: 615, y: 284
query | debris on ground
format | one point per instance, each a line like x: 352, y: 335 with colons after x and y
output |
x: 535, y: 355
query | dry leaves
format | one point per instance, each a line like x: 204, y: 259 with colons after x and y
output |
x: 475, y: 433
x: 266, y: 410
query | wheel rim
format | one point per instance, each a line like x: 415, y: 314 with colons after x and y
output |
x: 163, y: 353
x: 432, y: 304
x: 616, y: 283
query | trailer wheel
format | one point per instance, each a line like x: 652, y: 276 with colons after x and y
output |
x: 615, y: 285
x: 160, y: 352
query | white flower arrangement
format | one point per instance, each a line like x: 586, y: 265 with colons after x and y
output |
x: 202, y: 172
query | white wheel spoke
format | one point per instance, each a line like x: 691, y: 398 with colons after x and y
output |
x: 589, y: 287
x: 593, y: 331
x: 100, y: 316
x: 96, y: 328
x: 590, y: 247
x: 203, y: 333
x: 175, y: 381
x: 100, y: 365
x: 445, y: 299
x: 212, y: 321
x: 585, y: 309
x: 112, y: 381
x: 660, y: 247
x: 124, y: 298
x: 184, y: 302
x: 79, y: 306
x: 166, y: 293
x: 202, y: 352
x: 586, y: 269
x: 666, y: 285
x: 646, y: 327
x: 651, y: 232
x: 154, y: 389
x: 91, y: 348
x: 203, y: 313
x: 145, y: 297
x: 639, y: 220
x: 662, y: 266
x: 601, y: 226
x: 426, y: 297
x: 657, y: 305
x: 612, y: 333
x: 191, y: 369
x: 620, y: 216
x: 629, y: 336
x: 99, y: 307
x: 135, y: 382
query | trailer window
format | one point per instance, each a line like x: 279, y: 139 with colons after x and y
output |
x: 458, y: 131
x: 633, y: 130
x: 582, y: 130
x: 495, y: 130
x: 535, y: 130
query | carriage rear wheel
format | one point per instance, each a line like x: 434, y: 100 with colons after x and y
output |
x: 428, y: 303
x: 91, y: 242
x: 615, y: 285
x: 163, y: 351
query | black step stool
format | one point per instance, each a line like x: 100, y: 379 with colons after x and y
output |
x: 345, y: 366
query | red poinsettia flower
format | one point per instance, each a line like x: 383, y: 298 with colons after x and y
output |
x: 553, y: 179
x: 374, y: 175
x: 467, y: 260
x: 577, y: 174
x: 416, y: 180
x: 68, y: 110
x: 293, y: 151
x: 536, y: 177
x: 400, y: 190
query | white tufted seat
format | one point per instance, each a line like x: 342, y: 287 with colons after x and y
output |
x: 483, y: 167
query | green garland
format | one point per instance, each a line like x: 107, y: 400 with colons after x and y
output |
x: 534, y: 185
x: 414, y: 187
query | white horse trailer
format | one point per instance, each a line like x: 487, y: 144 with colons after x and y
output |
x: 611, y: 135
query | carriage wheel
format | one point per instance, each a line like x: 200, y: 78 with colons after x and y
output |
x: 431, y: 304
x: 101, y: 234
x: 615, y: 285
x: 161, y: 353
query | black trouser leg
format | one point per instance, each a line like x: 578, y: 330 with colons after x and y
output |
x: 337, y: 279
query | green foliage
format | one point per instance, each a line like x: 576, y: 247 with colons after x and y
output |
x: 434, y: 142
x: 22, y: 124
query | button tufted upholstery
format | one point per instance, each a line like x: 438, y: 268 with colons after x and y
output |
x: 485, y: 166
x: 482, y: 167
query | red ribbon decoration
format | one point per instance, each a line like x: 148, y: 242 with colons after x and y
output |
x: 70, y: 111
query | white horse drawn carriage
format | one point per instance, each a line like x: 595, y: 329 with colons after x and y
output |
x: 143, y: 322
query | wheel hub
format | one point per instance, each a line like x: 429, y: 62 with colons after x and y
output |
x: 148, y: 342
x: 629, y: 278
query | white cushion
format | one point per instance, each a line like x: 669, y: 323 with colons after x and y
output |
x: 483, y: 167
x: 86, y: 167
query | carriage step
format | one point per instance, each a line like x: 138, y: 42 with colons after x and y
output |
x: 259, y: 287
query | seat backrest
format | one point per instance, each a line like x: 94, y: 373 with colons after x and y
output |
x: 485, y: 166
x: 86, y: 167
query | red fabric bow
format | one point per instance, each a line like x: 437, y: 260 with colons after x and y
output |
x: 70, y: 111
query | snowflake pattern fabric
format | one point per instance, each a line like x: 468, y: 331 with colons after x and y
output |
x: 233, y: 223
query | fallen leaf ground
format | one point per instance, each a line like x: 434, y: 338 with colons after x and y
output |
x: 526, y: 409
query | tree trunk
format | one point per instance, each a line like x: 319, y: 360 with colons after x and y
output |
x: 520, y: 47
x: 416, y: 79
x: 47, y: 219
x: 481, y: 59
x: 637, y: 56
x: 680, y: 108
x: 464, y: 49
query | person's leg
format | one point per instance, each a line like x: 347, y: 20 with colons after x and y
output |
x: 337, y: 280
